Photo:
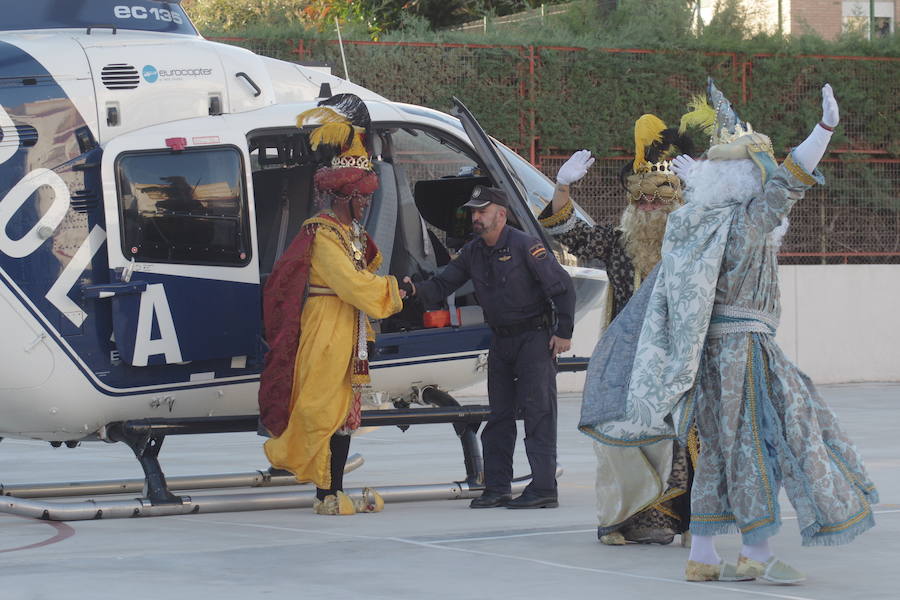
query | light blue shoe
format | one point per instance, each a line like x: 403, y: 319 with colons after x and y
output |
x: 773, y: 570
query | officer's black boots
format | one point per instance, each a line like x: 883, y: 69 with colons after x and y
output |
x: 532, y: 500
x: 490, y: 500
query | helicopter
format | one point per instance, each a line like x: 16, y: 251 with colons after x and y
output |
x: 149, y: 181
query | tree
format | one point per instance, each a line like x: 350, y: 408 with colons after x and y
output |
x: 378, y: 16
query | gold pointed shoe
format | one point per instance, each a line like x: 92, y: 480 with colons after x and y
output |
x: 370, y: 502
x: 337, y: 504
x: 614, y: 538
x: 649, y: 535
x: 698, y: 571
x: 773, y: 570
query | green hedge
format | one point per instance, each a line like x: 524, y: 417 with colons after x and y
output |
x: 487, y: 80
x: 589, y: 98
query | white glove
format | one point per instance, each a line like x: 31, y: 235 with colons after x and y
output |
x: 812, y: 149
x: 575, y: 168
x: 682, y: 165
x: 830, y: 114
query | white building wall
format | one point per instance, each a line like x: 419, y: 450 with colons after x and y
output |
x: 762, y: 15
x: 839, y: 323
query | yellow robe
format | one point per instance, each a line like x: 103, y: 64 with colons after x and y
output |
x: 322, y: 394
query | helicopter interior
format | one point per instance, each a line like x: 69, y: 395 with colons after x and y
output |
x: 415, y: 217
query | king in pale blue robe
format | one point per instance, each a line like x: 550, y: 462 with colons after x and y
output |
x: 696, y: 345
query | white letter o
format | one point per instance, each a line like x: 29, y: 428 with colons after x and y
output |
x: 17, y: 196
x: 7, y: 129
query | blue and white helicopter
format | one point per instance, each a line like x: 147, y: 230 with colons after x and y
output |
x: 150, y: 178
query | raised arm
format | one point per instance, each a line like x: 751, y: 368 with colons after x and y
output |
x: 561, y: 222
x: 796, y: 174
x: 812, y: 149
x: 571, y: 171
x: 798, y: 171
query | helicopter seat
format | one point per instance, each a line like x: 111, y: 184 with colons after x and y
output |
x: 283, y: 199
x: 267, y: 202
x: 412, y: 252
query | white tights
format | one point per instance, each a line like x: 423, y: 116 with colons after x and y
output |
x: 703, y: 549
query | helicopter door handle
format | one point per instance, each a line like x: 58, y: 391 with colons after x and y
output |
x: 104, y: 26
x: 108, y: 290
x: 250, y: 81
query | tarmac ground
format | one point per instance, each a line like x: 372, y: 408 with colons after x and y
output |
x: 414, y: 550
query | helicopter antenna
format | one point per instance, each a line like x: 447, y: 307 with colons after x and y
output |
x: 341, y: 44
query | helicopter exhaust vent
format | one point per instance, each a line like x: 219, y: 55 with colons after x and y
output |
x: 18, y: 135
x: 84, y: 201
x: 120, y: 76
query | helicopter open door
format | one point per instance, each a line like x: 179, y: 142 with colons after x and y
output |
x: 184, y: 274
x: 498, y: 169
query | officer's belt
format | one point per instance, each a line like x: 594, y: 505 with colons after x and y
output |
x: 532, y: 324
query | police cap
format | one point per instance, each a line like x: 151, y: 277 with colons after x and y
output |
x: 483, y: 195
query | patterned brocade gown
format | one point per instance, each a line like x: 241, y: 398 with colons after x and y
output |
x: 761, y: 422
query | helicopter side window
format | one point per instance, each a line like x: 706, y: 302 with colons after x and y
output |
x: 184, y: 207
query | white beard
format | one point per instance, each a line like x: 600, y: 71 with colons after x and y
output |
x: 711, y: 182
x: 642, y: 233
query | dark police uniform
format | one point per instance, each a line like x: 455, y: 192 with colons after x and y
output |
x: 515, y: 281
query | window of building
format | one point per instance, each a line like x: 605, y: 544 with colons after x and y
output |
x: 856, y: 17
x: 184, y: 207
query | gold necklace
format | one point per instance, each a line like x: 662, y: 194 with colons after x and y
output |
x: 356, y: 240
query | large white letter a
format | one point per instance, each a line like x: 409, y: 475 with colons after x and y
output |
x: 154, y: 301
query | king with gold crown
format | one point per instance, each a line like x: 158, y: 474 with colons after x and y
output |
x: 696, y: 346
x: 316, y: 307
x: 641, y: 493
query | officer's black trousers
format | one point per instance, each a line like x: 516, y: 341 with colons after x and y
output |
x: 521, y: 379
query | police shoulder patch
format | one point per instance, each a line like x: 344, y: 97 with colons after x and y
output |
x: 538, y: 251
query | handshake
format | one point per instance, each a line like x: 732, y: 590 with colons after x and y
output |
x: 407, y: 287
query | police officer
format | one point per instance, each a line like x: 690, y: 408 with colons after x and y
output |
x: 529, y: 302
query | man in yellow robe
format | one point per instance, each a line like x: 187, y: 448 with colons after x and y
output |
x: 324, y: 288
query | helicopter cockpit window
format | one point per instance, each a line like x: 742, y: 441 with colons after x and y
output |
x: 184, y: 207
x: 437, y: 173
x: 425, y: 155
x: 539, y: 192
x: 141, y: 15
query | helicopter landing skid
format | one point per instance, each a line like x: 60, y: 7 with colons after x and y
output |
x: 145, y: 438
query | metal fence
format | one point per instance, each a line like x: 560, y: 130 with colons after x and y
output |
x: 855, y: 218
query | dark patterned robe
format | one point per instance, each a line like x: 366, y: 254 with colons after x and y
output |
x: 605, y: 243
x: 601, y: 242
